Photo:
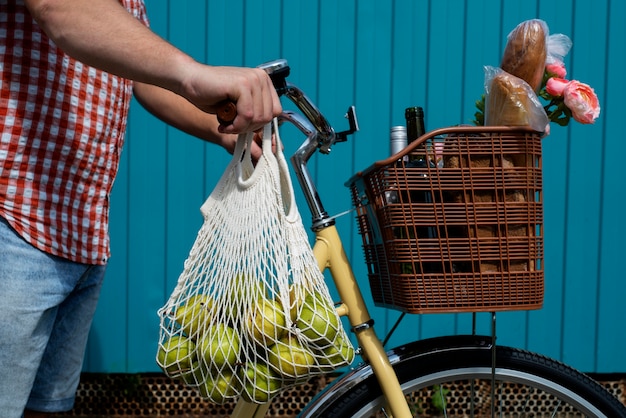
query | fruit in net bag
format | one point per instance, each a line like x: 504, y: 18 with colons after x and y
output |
x: 290, y: 358
x: 267, y: 322
x: 176, y: 355
x: 339, y: 353
x: 220, y: 346
x: 193, y: 314
x: 220, y: 387
x: 260, y: 382
x: 316, y: 319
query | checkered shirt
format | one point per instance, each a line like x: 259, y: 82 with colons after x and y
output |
x: 62, y: 127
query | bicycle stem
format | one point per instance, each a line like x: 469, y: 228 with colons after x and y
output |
x: 320, y: 136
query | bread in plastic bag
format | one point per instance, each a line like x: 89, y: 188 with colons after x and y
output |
x: 510, y: 101
x: 526, y: 52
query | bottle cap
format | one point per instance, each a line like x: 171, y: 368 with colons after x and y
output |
x: 414, y: 111
x: 397, y: 139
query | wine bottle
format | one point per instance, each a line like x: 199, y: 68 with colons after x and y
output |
x: 415, y: 128
x: 414, y: 117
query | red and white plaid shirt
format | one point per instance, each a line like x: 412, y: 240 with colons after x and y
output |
x: 62, y: 129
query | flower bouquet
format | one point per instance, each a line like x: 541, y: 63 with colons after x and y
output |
x: 567, y: 99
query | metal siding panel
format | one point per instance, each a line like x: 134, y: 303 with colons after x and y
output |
x: 225, y: 32
x: 146, y: 236
x: 545, y: 324
x: 372, y: 83
x: 483, y: 45
x: 261, y: 31
x: 410, y: 57
x: 584, y: 192
x: 612, y: 313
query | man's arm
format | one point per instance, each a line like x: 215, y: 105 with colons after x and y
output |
x: 102, y: 33
x: 179, y: 113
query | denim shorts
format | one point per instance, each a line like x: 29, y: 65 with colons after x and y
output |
x: 47, y: 307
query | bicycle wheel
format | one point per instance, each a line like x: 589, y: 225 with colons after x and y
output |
x: 452, y: 377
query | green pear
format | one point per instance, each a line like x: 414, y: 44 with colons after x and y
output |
x: 194, y: 376
x: 290, y: 358
x: 260, y: 382
x: 267, y: 322
x: 220, y: 387
x: 220, y: 346
x: 297, y: 293
x: 317, y: 320
x: 176, y: 355
x: 339, y: 353
x: 193, y: 315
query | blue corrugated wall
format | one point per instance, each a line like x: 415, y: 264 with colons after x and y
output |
x: 383, y: 56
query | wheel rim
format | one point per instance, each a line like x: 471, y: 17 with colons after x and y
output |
x: 565, y: 401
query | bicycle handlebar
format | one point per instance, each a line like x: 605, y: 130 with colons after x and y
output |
x: 312, y: 123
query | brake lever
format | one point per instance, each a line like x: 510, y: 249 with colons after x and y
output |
x: 354, y: 125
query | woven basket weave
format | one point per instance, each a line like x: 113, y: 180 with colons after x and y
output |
x: 454, y: 222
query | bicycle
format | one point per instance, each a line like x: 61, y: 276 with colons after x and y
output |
x: 386, y: 382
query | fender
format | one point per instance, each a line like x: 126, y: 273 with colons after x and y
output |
x: 345, y: 382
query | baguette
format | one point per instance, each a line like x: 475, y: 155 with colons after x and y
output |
x: 526, y: 51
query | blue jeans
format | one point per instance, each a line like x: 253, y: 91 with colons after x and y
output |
x: 47, y: 305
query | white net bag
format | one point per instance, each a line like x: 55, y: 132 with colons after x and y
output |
x: 251, y: 313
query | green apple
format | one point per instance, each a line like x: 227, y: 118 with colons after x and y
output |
x: 220, y: 387
x: 260, y: 382
x: 290, y: 358
x: 220, y: 346
x: 317, y: 320
x: 339, y: 353
x: 267, y: 322
x: 193, y: 314
x: 176, y: 355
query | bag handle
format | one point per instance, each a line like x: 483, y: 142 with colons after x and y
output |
x: 286, y: 185
x: 248, y: 173
x: 274, y: 158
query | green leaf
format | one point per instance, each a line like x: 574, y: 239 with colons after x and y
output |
x: 438, y: 398
x: 479, y: 116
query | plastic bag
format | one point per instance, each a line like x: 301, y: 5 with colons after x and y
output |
x: 510, y: 101
x: 558, y: 46
x: 251, y: 313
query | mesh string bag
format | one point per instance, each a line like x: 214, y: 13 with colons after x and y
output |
x: 251, y: 313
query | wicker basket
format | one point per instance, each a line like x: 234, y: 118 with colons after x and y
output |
x: 454, y: 222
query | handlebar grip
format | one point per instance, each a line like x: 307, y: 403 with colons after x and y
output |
x: 226, y: 113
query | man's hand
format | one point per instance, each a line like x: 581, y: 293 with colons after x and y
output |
x: 251, y: 90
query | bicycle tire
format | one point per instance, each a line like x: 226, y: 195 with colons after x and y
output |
x: 457, y: 360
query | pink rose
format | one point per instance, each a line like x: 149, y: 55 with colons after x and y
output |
x: 557, y: 69
x: 582, y: 101
x: 555, y: 86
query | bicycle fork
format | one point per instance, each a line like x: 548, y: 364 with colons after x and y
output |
x: 330, y: 254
